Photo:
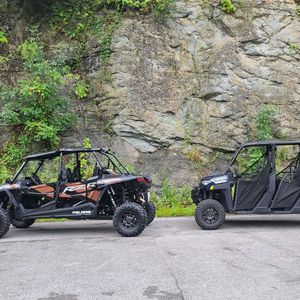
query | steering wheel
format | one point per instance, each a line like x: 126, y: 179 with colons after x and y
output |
x: 35, y: 179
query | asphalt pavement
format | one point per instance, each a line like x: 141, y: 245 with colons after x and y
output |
x: 251, y: 257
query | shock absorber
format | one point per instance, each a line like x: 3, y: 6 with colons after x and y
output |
x: 110, y: 192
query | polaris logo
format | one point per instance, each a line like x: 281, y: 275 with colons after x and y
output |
x: 81, y: 212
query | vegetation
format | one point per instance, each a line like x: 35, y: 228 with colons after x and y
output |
x: 33, y: 107
x: 195, y: 157
x: 3, y: 37
x: 227, y: 6
x: 173, y: 201
x: 298, y: 10
x: 81, y: 89
x: 293, y: 47
x: 263, y: 131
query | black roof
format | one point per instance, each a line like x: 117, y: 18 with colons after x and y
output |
x: 271, y: 143
x: 56, y: 153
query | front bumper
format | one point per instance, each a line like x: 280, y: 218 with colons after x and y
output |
x: 195, y: 194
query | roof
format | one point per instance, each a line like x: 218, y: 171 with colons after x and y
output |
x: 271, y: 143
x: 56, y: 153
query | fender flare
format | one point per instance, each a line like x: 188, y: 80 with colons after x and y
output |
x: 11, y: 198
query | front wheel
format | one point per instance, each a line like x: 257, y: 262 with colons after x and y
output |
x: 210, y: 214
x: 130, y: 219
x: 4, y: 222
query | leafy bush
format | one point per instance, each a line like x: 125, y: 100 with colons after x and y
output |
x: 3, y: 37
x: 227, y: 6
x: 77, y: 18
x: 34, y: 107
x: 263, y: 131
x: 173, y: 201
x: 81, y: 90
x: 263, y: 123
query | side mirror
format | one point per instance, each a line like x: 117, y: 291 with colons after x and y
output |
x: 8, y: 181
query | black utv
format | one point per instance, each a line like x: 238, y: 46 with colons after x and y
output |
x: 76, y: 184
x: 262, y: 178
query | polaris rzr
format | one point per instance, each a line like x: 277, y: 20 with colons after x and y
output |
x: 76, y: 184
x: 262, y: 178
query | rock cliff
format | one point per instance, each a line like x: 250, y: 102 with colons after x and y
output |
x: 184, y: 90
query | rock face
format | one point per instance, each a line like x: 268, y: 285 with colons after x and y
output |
x: 178, y: 92
x: 198, y: 81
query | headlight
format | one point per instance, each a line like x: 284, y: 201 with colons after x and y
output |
x: 216, y: 180
x: 206, y: 182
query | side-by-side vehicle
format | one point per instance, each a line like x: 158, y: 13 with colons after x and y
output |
x: 76, y: 184
x: 262, y: 178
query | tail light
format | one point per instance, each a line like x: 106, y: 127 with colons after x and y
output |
x: 144, y: 180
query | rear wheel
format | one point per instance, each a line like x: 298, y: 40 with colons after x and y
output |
x: 210, y: 214
x: 151, y: 211
x: 130, y: 219
x: 4, y: 222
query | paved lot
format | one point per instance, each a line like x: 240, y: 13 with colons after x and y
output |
x: 251, y: 257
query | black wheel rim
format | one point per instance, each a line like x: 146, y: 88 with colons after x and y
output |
x: 210, y: 215
x: 129, y: 220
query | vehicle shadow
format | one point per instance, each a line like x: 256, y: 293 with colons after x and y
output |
x: 262, y: 223
x: 79, y: 230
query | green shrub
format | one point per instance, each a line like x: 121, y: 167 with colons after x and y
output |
x: 81, y: 90
x: 3, y: 37
x: 263, y: 123
x: 173, y: 201
x: 227, y: 6
x: 33, y: 107
x: 263, y: 131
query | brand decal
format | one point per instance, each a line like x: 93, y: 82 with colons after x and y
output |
x: 81, y: 212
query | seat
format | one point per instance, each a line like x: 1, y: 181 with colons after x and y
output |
x: 297, y: 175
x: 66, y: 175
x: 76, y: 175
x: 288, y: 192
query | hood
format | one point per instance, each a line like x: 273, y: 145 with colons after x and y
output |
x: 9, y: 186
x: 214, y: 179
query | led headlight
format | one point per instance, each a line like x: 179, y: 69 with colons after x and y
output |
x: 216, y: 180
x: 206, y: 182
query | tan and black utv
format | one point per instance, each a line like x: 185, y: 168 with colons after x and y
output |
x: 76, y: 184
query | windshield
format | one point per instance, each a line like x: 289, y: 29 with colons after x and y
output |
x: 249, y: 160
x: 42, y: 171
x: 28, y: 170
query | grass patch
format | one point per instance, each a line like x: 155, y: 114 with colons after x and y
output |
x: 47, y: 220
x: 173, y: 201
x: 175, y: 211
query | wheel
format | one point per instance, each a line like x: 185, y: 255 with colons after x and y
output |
x: 130, y: 219
x: 151, y: 211
x: 4, y: 222
x: 18, y: 223
x: 210, y: 214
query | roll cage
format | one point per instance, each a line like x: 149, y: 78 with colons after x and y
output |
x: 112, y: 160
x: 271, y: 147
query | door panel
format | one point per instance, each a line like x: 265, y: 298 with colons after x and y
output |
x: 253, y: 169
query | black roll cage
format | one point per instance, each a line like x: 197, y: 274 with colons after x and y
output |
x: 41, y: 157
x: 271, y: 149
